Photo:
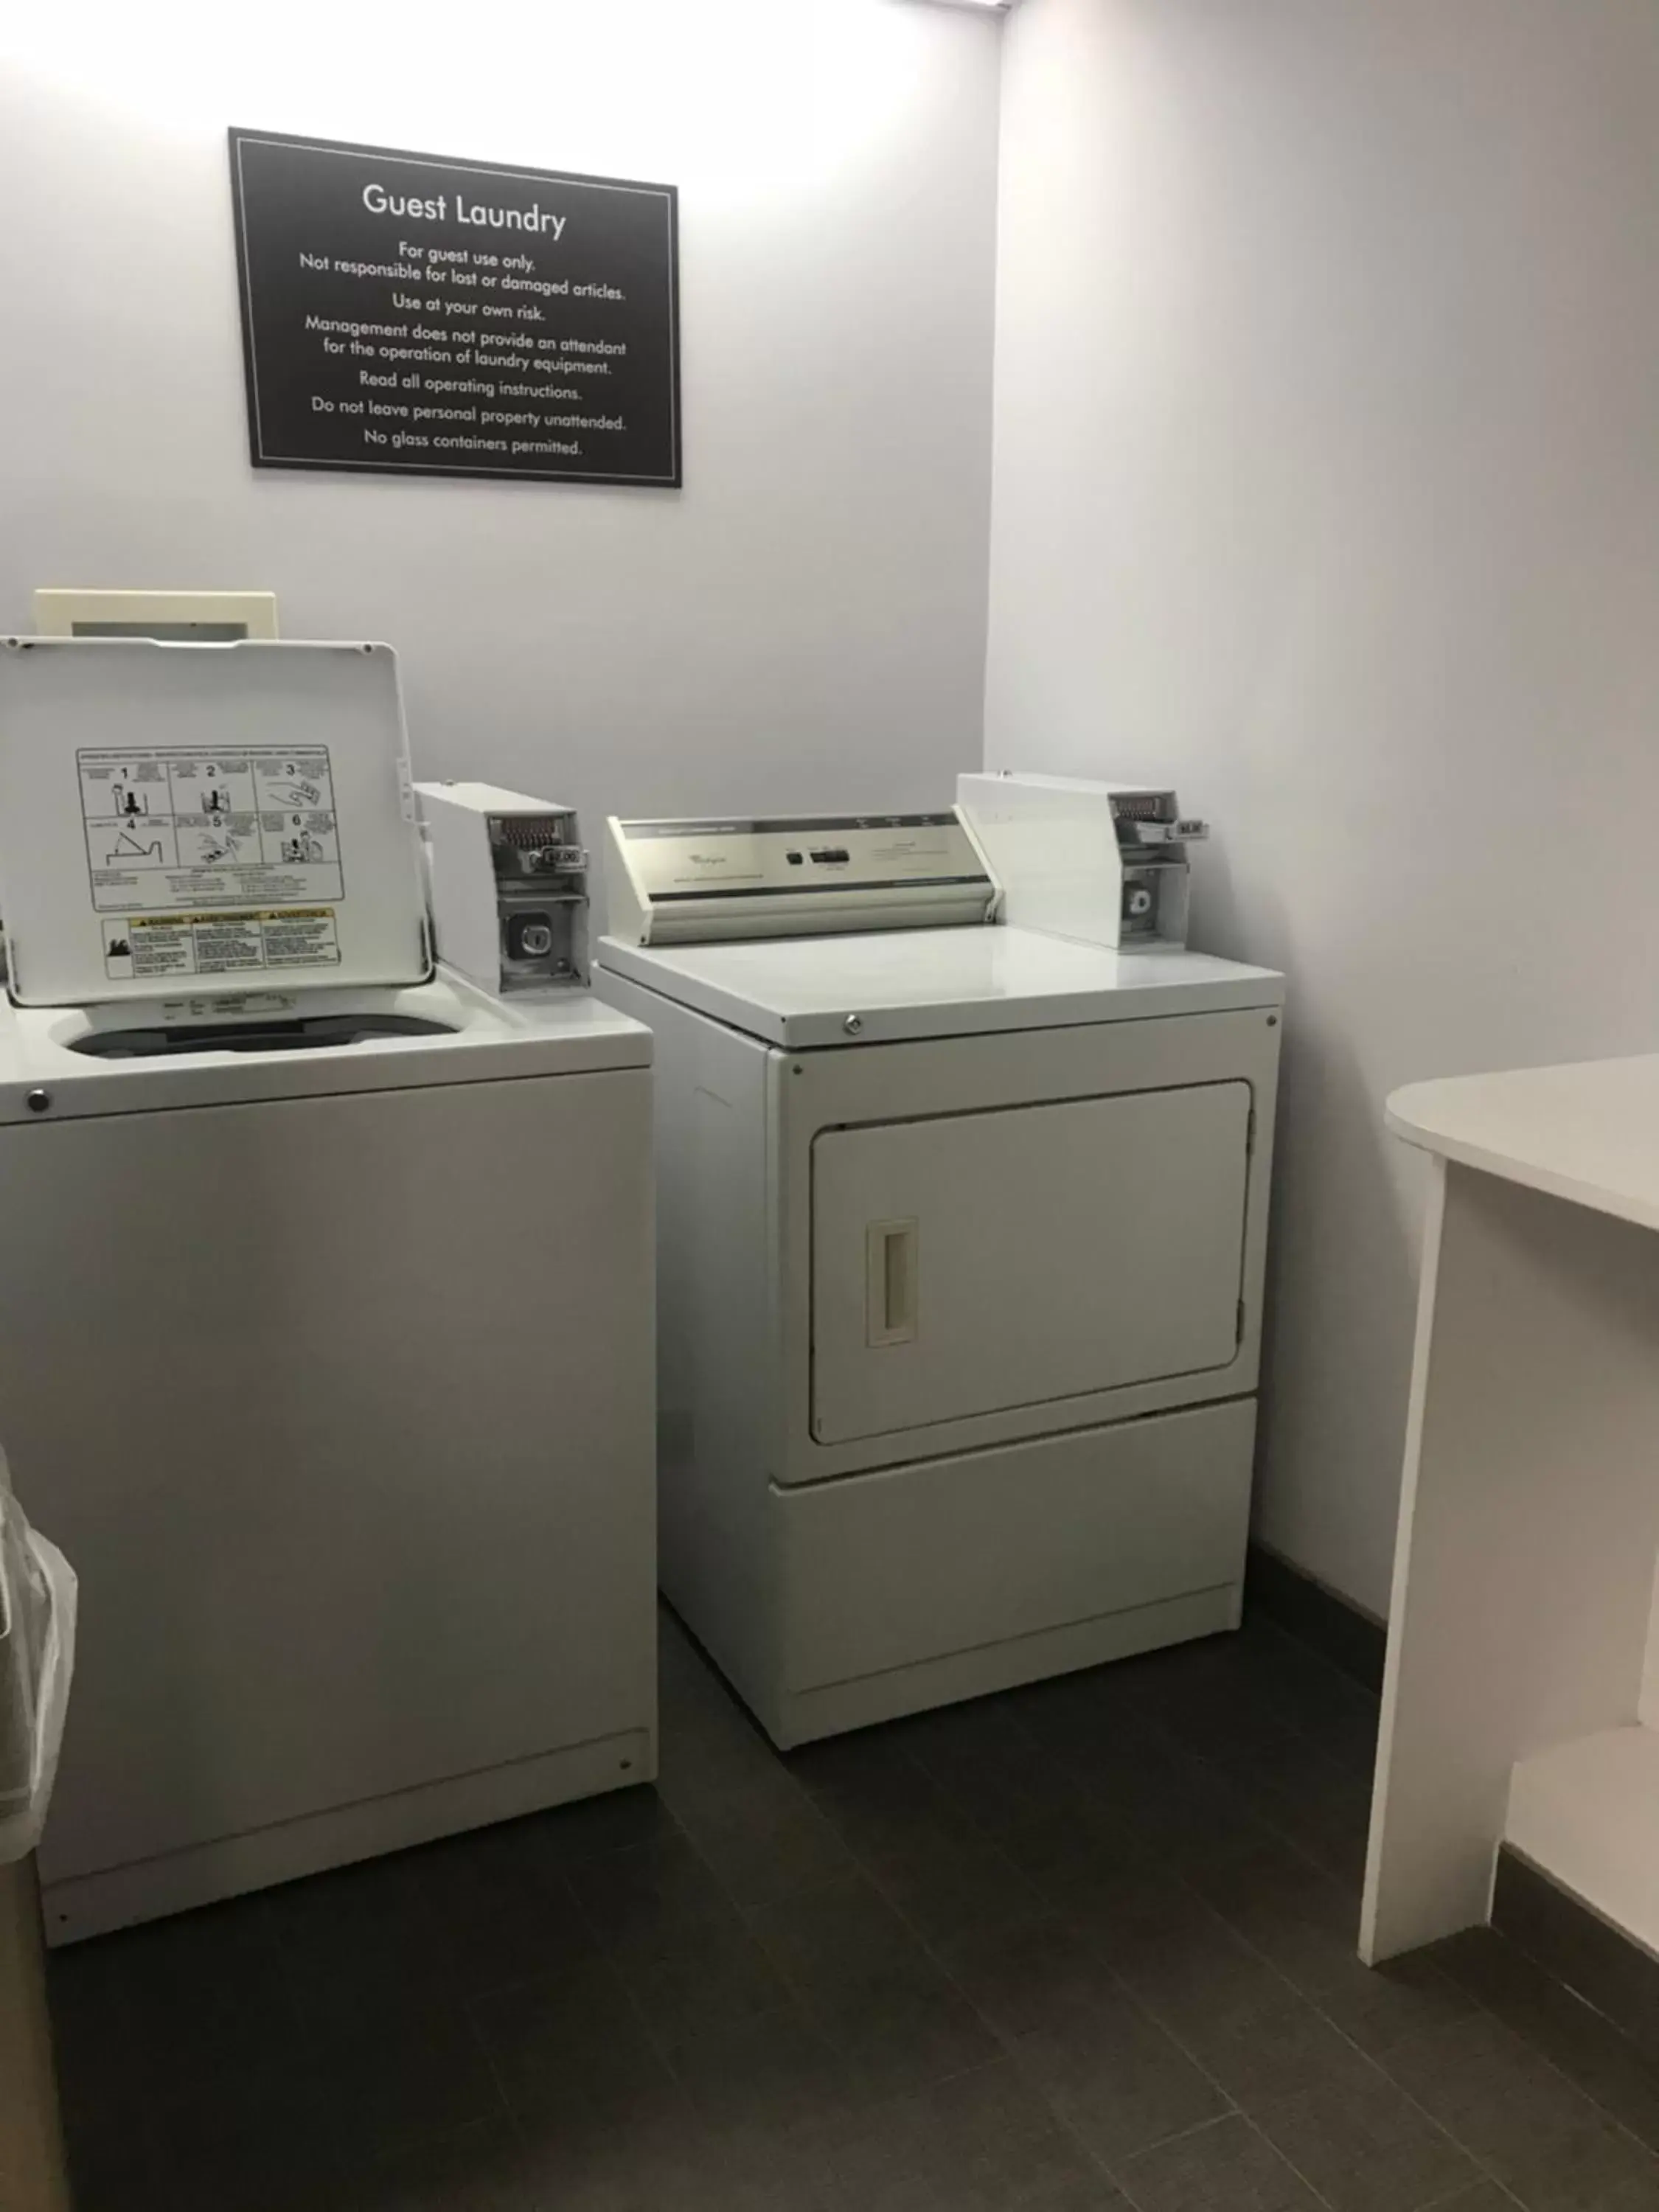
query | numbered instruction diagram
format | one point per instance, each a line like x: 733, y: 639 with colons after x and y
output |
x: 212, y: 862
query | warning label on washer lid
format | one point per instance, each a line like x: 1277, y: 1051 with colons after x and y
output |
x: 174, y: 826
x: 140, y: 947
x: 301, y: 939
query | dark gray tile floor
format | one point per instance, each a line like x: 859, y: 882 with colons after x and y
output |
x: 1089, y: 1945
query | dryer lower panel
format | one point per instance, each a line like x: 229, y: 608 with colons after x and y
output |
x: 909, y: 1587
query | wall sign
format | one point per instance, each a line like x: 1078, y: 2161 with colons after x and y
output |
x: 420, y: 317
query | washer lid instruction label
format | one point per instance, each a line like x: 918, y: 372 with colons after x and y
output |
x: 156, y: 944
x: 169, y: 827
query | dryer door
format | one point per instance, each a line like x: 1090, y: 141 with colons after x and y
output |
x: 969, y: 1263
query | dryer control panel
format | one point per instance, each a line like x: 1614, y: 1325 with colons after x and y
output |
x: 803, y: 875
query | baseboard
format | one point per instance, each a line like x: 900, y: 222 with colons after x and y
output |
x: 1571, y: 1941
x: 1343, y: 1632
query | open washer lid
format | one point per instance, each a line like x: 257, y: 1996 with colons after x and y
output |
x: 799, y: 992
x: 192, y: 816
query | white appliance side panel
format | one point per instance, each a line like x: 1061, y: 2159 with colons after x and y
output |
x: 343, y: 1409
x: 888, y: 1570
x: 462, y: 881
x: 720, y: 1329
x: 976, y: 1262
x: 1053, y: 851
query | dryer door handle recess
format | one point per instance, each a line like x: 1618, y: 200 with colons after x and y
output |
x: 892, y: 1281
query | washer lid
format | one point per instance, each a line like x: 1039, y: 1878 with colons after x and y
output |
x: 898, y: 984
x: 188, y: 817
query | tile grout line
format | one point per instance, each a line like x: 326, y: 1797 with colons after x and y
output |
x: 599, y: 1958
x: 1168, y: 1737
x: 1216, y: 1764
x: 1635, y: 2038
x: 1171, y: 1741
x: 1239, y: 1935
x: 1438, y: 2203
x: 1542, y: 2057
x: 1316, y: 2193
x: 482, y: 2041
x: 1117, y: 2175
x: 1641, y: 2057
x: 1376, y: 2064
x: 655, y: 2040
x: 1129, y: 1997
x: 1004, y: 2054
x: 307, y: 2015
x: 791, y: 1990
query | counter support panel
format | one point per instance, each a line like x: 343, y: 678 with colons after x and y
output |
x: 1524, y: 1578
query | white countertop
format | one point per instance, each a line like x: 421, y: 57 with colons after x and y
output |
x: 1588, y: 1132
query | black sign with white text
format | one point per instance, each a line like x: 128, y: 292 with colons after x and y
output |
x: 415, y: 316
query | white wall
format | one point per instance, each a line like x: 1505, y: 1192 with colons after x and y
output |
x: 1327, y: 484
x: 801, y: 626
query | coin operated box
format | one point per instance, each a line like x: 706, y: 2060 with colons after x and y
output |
x: 508, y: 878
x: 1102, y: 863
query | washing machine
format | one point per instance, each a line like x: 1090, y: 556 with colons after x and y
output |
x: 326, y: 1338
x: 961, y: 1238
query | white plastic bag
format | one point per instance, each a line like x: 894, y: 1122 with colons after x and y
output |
x: 37, y: 1658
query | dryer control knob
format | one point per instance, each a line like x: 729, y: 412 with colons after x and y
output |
x: 38, y: 1101
x: 852, y: 1024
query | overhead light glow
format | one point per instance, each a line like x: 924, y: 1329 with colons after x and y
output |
x: 726, y: 100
